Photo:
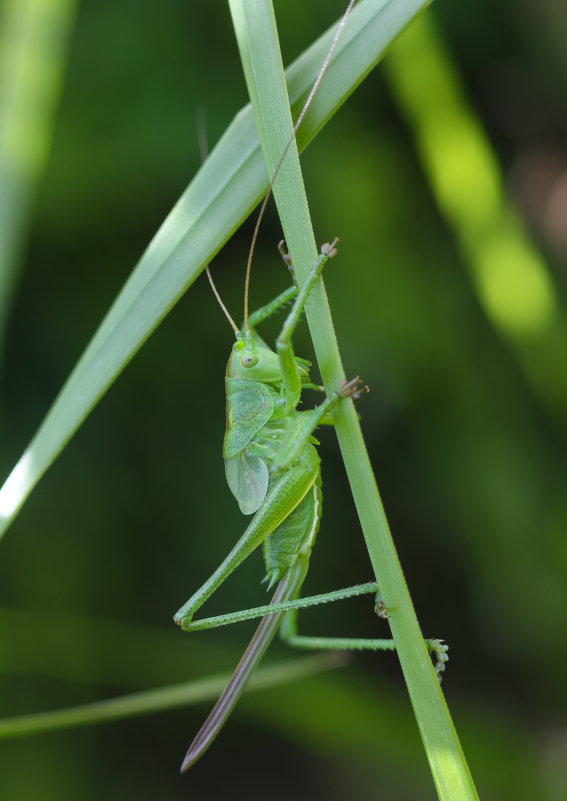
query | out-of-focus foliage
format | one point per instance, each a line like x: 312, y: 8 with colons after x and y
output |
x: 33, y: 46
x: 469, y: 452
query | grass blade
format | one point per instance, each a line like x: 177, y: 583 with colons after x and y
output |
x: 161, y: 699
x: 218, y: 199
x: 259, y: 48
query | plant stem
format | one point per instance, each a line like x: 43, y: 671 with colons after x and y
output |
x: 149, y: 701
x: 259, y: 50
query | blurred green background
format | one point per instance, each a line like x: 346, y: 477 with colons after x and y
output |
x: 445, y: 175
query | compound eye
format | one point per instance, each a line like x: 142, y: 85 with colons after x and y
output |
x: 249, y: 360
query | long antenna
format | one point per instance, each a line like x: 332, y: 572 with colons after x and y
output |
x: 221, y: 304
x: 314, y: 88
x: 204, y: 152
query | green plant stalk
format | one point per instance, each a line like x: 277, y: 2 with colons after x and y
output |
x: 217, y: 200
x: 256, y: 33
x: 143, y: 703
x: 359, y: 704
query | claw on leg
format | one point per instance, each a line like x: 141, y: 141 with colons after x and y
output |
x: 330, y: 249
x: 380, y: 608
x: 351, y: 389
x: 286, y: 257
x: 440, y: 649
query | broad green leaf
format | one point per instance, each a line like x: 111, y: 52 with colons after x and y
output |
x: 219, y: 198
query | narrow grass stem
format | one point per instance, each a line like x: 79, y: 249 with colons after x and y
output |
x: 149, y: 701
x: 259, y: 49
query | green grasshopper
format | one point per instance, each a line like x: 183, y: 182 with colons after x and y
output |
x: 273, y: 470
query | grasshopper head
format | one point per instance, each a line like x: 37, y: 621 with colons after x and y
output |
x: 252, y: 361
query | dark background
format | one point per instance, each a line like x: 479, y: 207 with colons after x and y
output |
x: 465, y: 424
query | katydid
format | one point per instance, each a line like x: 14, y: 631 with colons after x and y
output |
x: 273, y: 470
